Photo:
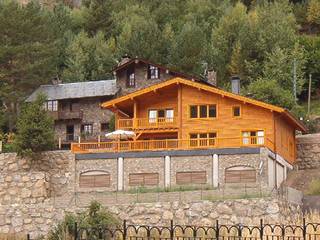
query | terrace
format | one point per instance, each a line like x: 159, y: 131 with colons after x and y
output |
x: 171, y: 144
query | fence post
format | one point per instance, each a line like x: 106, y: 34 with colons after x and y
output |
x: 0, y: 146
x: 304, y: 229
x: 75, y: 231
x: 28, y: 237
x: 217, y: 229
x: 124, y: 229
x: 171, y: 230
x: 261, y: 228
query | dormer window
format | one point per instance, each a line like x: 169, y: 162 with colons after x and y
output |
x: 131, y: 80
x: 153, y: 72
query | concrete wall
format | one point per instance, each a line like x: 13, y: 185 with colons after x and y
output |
x: 308, y: 151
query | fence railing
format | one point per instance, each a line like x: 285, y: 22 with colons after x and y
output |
x: 169, y: 144
x: 217, y: 231
x: 147, y: 123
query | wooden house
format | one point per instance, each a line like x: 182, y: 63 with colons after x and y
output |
x: 180, y: 117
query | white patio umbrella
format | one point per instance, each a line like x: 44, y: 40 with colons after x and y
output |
x: 120, y: 135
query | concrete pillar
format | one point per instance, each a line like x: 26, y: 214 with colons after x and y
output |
x: 167, y: 171
x: 120, y: 174
x: 215, y: 170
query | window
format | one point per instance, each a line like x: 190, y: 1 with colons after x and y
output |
x: 193, y: 111
x: 236, y: 111
x: 203, y: 111
x: 131, y: 80
x: 253, y: 137
x: 51, y: 105
x: 87, y: 129
x: 143, y: 179
x: 94, y: 179
x: 153, y: 72
x: 240, y: 174
x: 161, y: 115
x: 202, y: 139
x: 104, y: 127
x: 192, y: 177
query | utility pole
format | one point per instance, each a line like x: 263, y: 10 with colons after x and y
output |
x: 309, y: 94
x: 295, y: 80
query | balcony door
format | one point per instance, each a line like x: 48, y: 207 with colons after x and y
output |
x: 161, y: 115
x: 70, y: 133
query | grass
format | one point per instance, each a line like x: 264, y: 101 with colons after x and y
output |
x: 185, y: 188
x: 240, y: 196
x: 314, y: 187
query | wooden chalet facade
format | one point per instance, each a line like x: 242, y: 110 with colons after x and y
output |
x: 180, y: 114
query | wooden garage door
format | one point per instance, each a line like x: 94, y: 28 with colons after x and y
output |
x: 240, y: 175
x: 94, y: 179
x: 143, y: 179
x: 194, y: 177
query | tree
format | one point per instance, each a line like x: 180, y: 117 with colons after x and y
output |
x: 313, y: 12
x: 89, y: 58
x: 35, y: 131
x: 187, y: 52
x: 27, y: 52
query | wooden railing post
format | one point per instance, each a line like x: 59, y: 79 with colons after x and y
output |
x: 1, y: 146
x: 59, y: 143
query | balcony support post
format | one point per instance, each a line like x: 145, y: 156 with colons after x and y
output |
x: 215, y: 170
x: 167, y: 171
x: 179, y: 111
x: 135, y: 109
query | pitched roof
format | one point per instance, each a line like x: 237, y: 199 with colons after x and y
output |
x: 76, y: 90
x: 177, y: 73
x: 177, y: 80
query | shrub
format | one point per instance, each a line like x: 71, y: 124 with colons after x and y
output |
x: 95, y: 217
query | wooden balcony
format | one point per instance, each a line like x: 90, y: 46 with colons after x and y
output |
x: 170, y: 144
x: 66, y: 115
x: 147, y: 123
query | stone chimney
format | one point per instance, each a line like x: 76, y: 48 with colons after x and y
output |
x: 212, y: 77
x: 124, y: 59
x: 235, y: 84
x: 56, y: 80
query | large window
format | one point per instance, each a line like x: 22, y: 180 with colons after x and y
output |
x: 51, y: 105
x: 161, y: 115
x: 131, y: 79
x: 87, y: 129
x: 203, y: 111
x: 191, y: 177
x: 202, y: 139
x: 143, y: 179
x: 240, y: 174
x: 94, y: 179
x: 253, y: 137
x: 153, y: 72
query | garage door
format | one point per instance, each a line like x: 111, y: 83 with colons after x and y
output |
x: 240, y: 174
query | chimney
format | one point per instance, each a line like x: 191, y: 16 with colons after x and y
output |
x: 56, y: 81
x: 212, y: 77
x: 235, y: 84
x: 124, y: 59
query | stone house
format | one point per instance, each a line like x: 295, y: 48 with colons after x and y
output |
x: 191, y: 133
x: 76, y: 109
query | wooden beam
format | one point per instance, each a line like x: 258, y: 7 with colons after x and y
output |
x: 179, y: 111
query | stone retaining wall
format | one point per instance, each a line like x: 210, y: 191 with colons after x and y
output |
x: 37, y: 219
x: 308, y: 151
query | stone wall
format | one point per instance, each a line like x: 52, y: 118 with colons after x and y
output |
x: 308, y: 151
x: 37, y: 219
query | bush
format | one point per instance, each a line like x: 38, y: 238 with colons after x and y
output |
x: 95, y: 217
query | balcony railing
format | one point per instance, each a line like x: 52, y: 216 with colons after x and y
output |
x: 147, y: 123
x: 64, y: 115
x: 169, y: 144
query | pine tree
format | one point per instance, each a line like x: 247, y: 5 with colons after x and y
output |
x: 35, y: 131
x: 27, y: 52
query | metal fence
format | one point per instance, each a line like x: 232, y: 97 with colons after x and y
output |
x: 305, y: 231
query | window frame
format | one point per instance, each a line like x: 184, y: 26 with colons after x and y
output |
x: 83, y: 129
x: 192, y: 173
x: 53, y: 105
x: 249, y: 137
x: 131, y: 82
x: 153, y: 72
x: 198, y: 111
x: 143, y: 175
x: 240, y: 111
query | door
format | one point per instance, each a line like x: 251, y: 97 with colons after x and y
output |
x: 70, y: 132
